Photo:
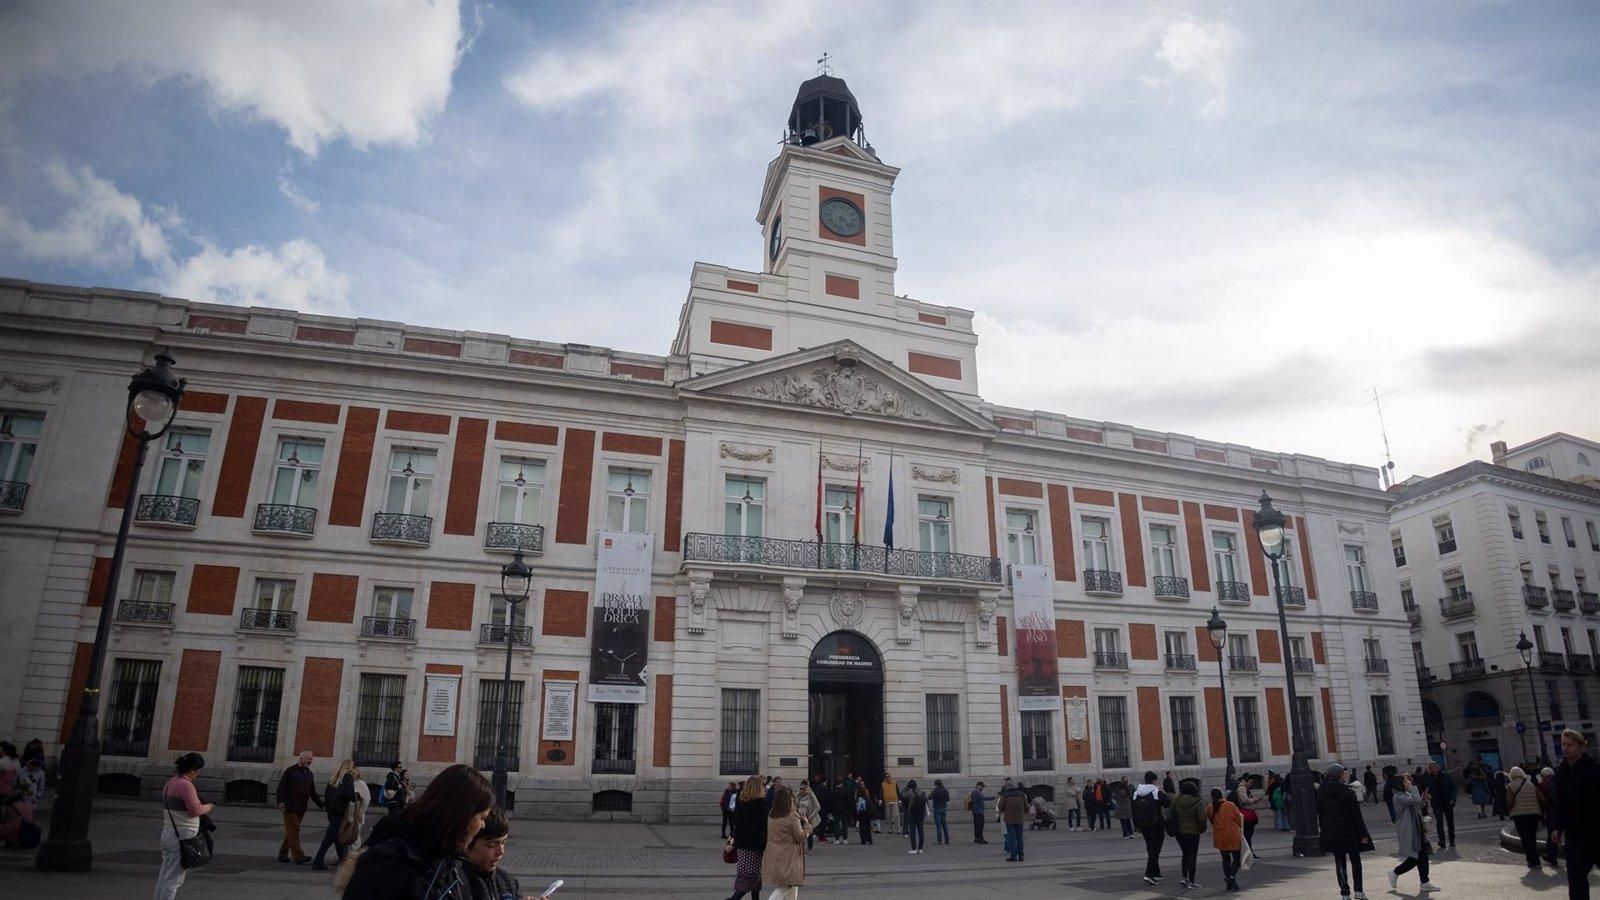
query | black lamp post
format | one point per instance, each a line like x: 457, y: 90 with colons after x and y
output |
x: 515, y: 581
x: 1269, y: 530
x: 153, y: 397
x: 1525, y: 647
x: 1217, y: 629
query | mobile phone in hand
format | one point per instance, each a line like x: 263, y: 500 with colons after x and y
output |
x: 554, y: 886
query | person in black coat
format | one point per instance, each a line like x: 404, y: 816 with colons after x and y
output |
x: 1343, y: 832
x: 842, y: 805
x: 1576, y: 798
x: 417, y: 853
x: 749, y: 838
x: 340, y: 793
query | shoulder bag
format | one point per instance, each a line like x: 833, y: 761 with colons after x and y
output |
x: 729, y: 855
x: 193, y: 852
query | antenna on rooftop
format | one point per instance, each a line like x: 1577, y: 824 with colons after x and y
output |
x: 822, y: 64
x: 1388, y: 468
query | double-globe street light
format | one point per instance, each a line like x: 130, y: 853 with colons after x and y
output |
x: 1217, y: 630
x: 516, y: 579
x: 153, y: 398
x: 1525, y: 647
x: 1269, y: 531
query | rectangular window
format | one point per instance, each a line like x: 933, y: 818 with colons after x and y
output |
x: 273, y: 595
x: 1373, y: 648
x: 1239, y: 645
x: 1594, y: 644
x: 1097, y: 544
x: 933, y: 524
x: 1515, y: 518
x: 1286, y: 566
x: 1445, y: 535
x: 295, y: 472
x: 744, y: 506
x: 1108, y: 640
x: 1456, y: 587
x: 490, y: 693
x: 181, y: 463
x: 520, y: 488
x: 1566, y: 532
x: 944, y: 733
x: 1382, y: 728
x: 1114, y: 732
x: 498, y: 607
x: 1297, y: 648
x: 380, y: 705
x: 1163, y: 550
x: 1538, y: 638
x: 1306, y: 710
x: 1177, y: 643
x: 741, y: 731
x: 613, y: 737
x: 1036, y: 741
x: 19, y: 443
x: 410, y: 482
x: 1566, y: 640
x: 1022, y: 537
x: 839, y: 514
x: 1399, y: 550
x: 1467, y: 644
x: 1185, y: 746
x: 1416, y: 656
x: 132, y: 709
x: 1594, y: 536
x: 1582, y: 692
x: 1224, y: 555
x: 1543, y: 525
x: 1355, y: 567
x: 1247, y: 728
x: 152, y: 587
x: 256, y: 705
x: 1408, y: 598
x: 628, y: 500
x: 1554, y: 690
x: 392, y: 603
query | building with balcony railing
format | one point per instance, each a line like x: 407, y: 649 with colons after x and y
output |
x: 335, y: 582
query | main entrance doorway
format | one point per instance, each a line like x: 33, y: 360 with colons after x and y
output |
x: 846, y: 708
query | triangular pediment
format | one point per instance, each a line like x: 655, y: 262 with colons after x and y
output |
x: 841, y: 378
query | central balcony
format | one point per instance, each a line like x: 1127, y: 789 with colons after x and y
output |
x: 13, y: 496
x: 510, y: 536
x: 1102, y: 583
x: 1171, y: 587
x: 144, y: 612
x: 281, y: 518
x: 1377, y: 666
x: 773, y: 553
x: 1466, y: 668
x: 281, y: 620
x: 1552, y: 662
x: 490, y: 633
x: 1536, y: 597
x: 1233, y: 592
x: 1110, y: 659
x: 400, y: 528
x: 1181, y: 662
x: 1242, y: 664
x: 1414, y: 614
x: 1589, y: 603
x: 1363, y: 601
x: 1456, y: 605
x: 1294, y: 598
x: 1579, y: 663
x: 389, y: 627
x: 167, y: 511
x: 1562, y: 600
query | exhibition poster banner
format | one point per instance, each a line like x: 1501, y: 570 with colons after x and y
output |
x: 621, y: 645
x: 1033, y: 603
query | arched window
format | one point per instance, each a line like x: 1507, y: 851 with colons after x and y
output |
x: 1479, y: 705
x: 1583, y: 459
x: 1535, y: 464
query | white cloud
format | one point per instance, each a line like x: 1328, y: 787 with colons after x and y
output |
x: 295, y: 276
x: 296, y: 197
x: 368, y: 73
x: 1201, y: 52
x: 101, y: 224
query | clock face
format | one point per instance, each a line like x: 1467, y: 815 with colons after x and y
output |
x: 776, y: 239
x: 842, y: 217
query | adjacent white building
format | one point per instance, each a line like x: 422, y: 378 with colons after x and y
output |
x: 314, y: 561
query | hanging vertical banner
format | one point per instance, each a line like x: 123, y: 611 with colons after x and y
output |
x: 621, y: 618
x: 1033, y: 603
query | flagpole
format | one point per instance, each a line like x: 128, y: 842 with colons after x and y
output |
x: 888, y: 519
x: 819, y: 506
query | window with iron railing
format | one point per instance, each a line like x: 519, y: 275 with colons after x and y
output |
x: 132, y: 710
x: 256, y: 706
x: 613, y: 738
x: 1036, y: 741
x: 491, y: 693
x: 944, y: 733
x: 1114, y: 732
x: 1382, y: 727
x: 1246, y: 729
x: 1185, y: 746
x: 1307, y: 713
x: 19, y: 443
x: 380, y: 708
x: 741, y: 731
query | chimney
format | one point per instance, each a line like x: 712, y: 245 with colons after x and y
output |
x: 1497, y: 453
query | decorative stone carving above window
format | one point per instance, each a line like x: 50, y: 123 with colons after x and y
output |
x: 839, y: 464
x: 746, y: 454
x: 937, y: 474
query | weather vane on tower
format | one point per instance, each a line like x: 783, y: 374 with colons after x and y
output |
x: 822, y: 64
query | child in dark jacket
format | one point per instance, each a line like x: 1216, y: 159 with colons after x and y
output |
x: 485, y: 879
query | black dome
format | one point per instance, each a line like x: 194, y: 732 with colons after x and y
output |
x: 825, y: 108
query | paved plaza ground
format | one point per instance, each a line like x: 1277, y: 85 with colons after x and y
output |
x: 628, y: 860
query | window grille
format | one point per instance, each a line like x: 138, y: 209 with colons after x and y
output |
x: 134, y: 683
x: 1036, y: 741
x: 1247, y: 729
x: 379, y: 710
x: 1185, y: 751
x: 741, y: 709
x: 1308, y: 725
x: 613, y: 737
x: 1381, y: 726
x: 255, y: 714
x: 944, y: 738
x: 490, y: 692
x: 1114, y: 732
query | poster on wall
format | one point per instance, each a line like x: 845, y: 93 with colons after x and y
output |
x: 559, y: 699
x: 621, y: 613
x: 441, y: 692
x: 1033, y: 602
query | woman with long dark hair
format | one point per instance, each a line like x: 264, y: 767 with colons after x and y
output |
x: 863, y: 813
x: 181, y: 812
x: 416, y: 854
x: 749, y: 838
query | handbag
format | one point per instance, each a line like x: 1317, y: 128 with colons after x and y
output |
x: 1250, y: 817
x: 729, y: 855
x: 1246, y: 858
x: 349, y: 831
x: 193, y: 852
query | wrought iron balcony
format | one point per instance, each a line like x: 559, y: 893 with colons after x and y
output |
x: 1233, y: 592
x: 1414, y: 614
x: 253, y: 619
x: 490, y: 633
x: 400, y: 528
x: 1377, y: 666
x: 1242, y: 664
x: 1457, y: 605
x: 1181, y: 661
x: 1302, y: 665
x: 1589, y: 603
x: 1364, y: 601
x: 1536, y: 597
x: 1563, y: 600
x: 1466, y: 668
x: 1425, y: 675
x: 1579, y: 663
x: 249, y: 753
x: 165, y: 509
x: 509, y: 536
x: 1110, y: 659
x: 13, y: 495
x: 144, y: 612
x: 1294, y: 598
x: 1171, y: 587
x: 389, y: 627
x: 280, y: 518
x: 1447, y: 546
x: 760, y: 551
x: 1551, y: 661
x: 612, y: 766
x: 1102, y: 583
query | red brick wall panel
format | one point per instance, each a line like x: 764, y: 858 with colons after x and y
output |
x: 1061, y: 533
x: 1142, y: 640
x: 315, y: 335
x: 450, y: 605
x: 1216, y: 456
x: 537, y: 360
x: 1085, y: 434
x: 1331, y: 737
x: 1002, y: 635
x: 1259, y: 583
x: 239, y: 457
x: 1318, y: 652
x: 74, y: 699
x: 1223, y: 513
x: 212, y: 590
x: 1216, y: 721
x: 672, y: 533
x: 988, y: 497
x: 1267, y: 646
x: 1265, y: 465
x: 735, y: 334
x: 196, y: 697
x: 840, y: 286
x: 1005, y: 726
x: 648, y: 373
x: 749, y: 287
x: 422, y: 423
x: 466, y: 477
x: 1153, y: 446
x: 577, y: 472
x: 98, y: 576
x: 929, y: 319
x: 566, y: 613
x: 666, y: 622
x: 1013, y: 423
x: 216, y: 324
x: 637, y: 444
x: 1194, y: 530
x: 438, y: 748
x: 1016, y: 487
x: 661, y: 727
x: 937, y: 366
x: 301, y: 411
x: 122, y: 473
x: 1152, y: 738
x: 570, y: 756
x: 520, y: 433
x: 1306, y: 561
x: 1093, y: 497
x: 354, y: 464
x: 318, y: 717
x: 1159, y: 505
x: 1278, y: 721
x: 1132, y: 539
x: 333, y: 598
x: 1077, y: 751
x: 204, y: 402
x: 1204, y: 652
x: 1070, y: 640
x: 432, y: 347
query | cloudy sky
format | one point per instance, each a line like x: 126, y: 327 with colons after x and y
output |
x: 1229, y: 220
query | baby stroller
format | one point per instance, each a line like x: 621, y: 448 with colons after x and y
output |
x: 1044, y: 817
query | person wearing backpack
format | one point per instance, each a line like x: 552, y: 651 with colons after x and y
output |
x: 1149, y: 816
x: 916, y: 813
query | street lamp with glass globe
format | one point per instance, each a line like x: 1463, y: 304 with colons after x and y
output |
x: 1269, y: 531
x: 153, y: 398
x: 516, y: 579
x: 1217, y: 631
x: 1525, y: 648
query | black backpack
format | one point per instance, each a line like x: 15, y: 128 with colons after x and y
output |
x: 1146, y: 810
